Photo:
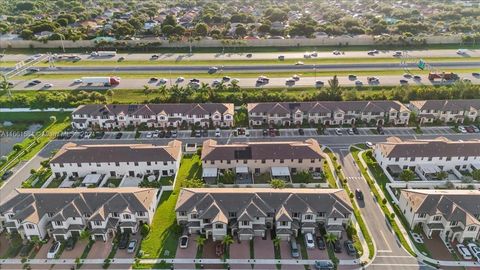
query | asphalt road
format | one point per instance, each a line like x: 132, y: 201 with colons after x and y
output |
x: 138, y: 83
x: 256, y: 56
x: 250, y: 68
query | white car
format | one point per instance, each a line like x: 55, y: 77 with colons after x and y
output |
x: 149, y: 134
x: 48, y: 85
x: 309, y: 240
x: 461, y: 51
x: 77, y: 81
x: 462, y: 129
x: 52, y: 252
x: 131, y: 246
x: 162, y: 81
x: 183, y: 241
x: 338, y: 131
x: 155, y: 134
x: 296, y: 77
x: 88, y: 135
x: 217, y: 132
x: 216, y: 82
x: 314, y: 54
x: 369, y: 144
x: 475, y: 250
x: 234, y: 80
x: 180, y: 79
x: 299, y: 63
x: 463, y: 250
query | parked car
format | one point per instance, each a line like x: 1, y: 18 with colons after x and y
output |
x: 324, y: 265
x: 217, y: 132
x: 294, y: 248
x: 350, y: 248
x: 350, y: 131
x: 337, y: 247
x: 52, y: 252
x: 265, y: 132
x: 99, y: 135
x: 475, y: 250
x: 462, y: 129
x: 380, y: 130
x: 321, y: 243
x: 131, y: 246
x: 183, y: 241
x: 355, y: 130
x: 119, y: 135
x: 309, y: 240
x: 369, y: 144
x: 149, y: 134
x: 174, y: 134
x: 338, y: 131
x: 469, y: 129
x: 463, y: 250
x: 198, y: 134
x: 475, y: 129
x: 123, y: 242
x: 6, y: 175
x: 301, y: 132
x: 70, y: 243
x: 359, y: 194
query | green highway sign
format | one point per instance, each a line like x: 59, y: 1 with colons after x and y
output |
x: 421, y: 64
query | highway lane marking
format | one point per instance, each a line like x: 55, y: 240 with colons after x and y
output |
x: 385, y: 239
x: 393, y: 256
x: 384, y: 251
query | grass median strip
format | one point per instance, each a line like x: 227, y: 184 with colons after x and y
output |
x: 381, y: 181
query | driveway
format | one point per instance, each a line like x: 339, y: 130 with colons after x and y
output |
x: 100, y: 250
x: 240, y: 251
x: 4, y: 244
x: 187, y: 253
x: 76, y: 252
x: 286, y: 254
x: 209, y: 253
x: 42, y: 253
x: 317, y: 254
x: 263, y: 249
x: 122, y: 253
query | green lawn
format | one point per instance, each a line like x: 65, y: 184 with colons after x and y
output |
x: 113, y: 181
x: 55, y: 182
x: 381, y: 179
x: 164, y: 231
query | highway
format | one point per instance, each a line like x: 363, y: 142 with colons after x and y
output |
x: 138, y: 83
x: 256, y: 56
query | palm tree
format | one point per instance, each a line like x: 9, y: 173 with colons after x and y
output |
x: 227, y: 240
x: 200, y: 240
x: 109, y: 94
x: 163, y: 92
x: 147, y: 90
x: 276, y: 242
x: 330, y: 238
x: 234, y: 86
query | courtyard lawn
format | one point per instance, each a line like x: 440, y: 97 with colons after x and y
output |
x: 162, y: 240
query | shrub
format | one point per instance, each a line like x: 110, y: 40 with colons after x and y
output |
x: 145, y: 229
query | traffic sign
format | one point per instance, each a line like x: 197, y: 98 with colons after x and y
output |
x: 421, y: 64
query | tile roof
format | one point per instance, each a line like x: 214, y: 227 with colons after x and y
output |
x: 447, y: 105
x: 73, y: 153
x: 453, y: 205
x: 309, y: 149
x: 32, y: 204
x: 258, y: 202
x: 394, y: 147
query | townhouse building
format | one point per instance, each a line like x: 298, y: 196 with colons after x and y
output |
x: 452, y: 215
x: 280, y: 159
x: 115, y: 160
x: 250, y: 212
x: 378, y: 112
x: 110, y: 116
x: 62, y: 213
x: 427, y: 157
x: 446, y: 111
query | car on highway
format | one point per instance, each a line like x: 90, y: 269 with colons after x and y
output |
x: 462, y: 129
x: 352, y: 77
x: 118, y: 135
x: 338, y: 131
x: 403, y: 82
x: 461, y: 52
x: 407, y: 75
x: 216, y: 83
x: 309, y: 242
x: 336, y: 52
x: 52, y: 252
x: 359, y: 194
x: 290, y: 82
x: 34, y: 82
x: 48, y: 85
x: 33, y: 70
x: 466, y: 80
x: 6, y: 175
x: 212, y: 70
x: 77, y: 81
x: 350, y: 248
x: 120, y: 59
x: 417, y: 78
x: 463, y: 250
x: 397, y: 54
x: 235, y: 80
x: 153, y: 79
x: 358, y: 83
x: 162, y: 81
x: 373, y: 80
x: 314, y: 54
x: 131, y: 246
x: 307, y: 55
x: 321, y: 243
x: 296, y: 77
x: 226, y: 79
x: 281, y: 57
x: 324, y: 265
x: 319, y: 83
x: 249, y: 55
x: 154, y: 56
x: 476, y: 74
x: 299, y: 63
x: 194, y: 80
x: 179, y: 80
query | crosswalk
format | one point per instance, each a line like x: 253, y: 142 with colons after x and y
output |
x: 351, y: 178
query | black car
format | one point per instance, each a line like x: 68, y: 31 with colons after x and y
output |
x: 380, y: 130
x: 70, y: 244
x: 119, y: 135
x: 475, y: 74
x: 350, y: 248
x: 337, y: 247
x: 174, y: 134
x: 352, y: 77
x: 194, y: 81
x: 6, y: 175
x: 153, y: 79
x: 355, y: 130
x: 81, y: 135
x: 123, y: 242
x: 226, y: 79
x: 320, y: 243
x: 359, y: 194
x: 249, y: 55
x: 161, y: 134
x: 324, y: 265
x: 168, y: 134
x: 301, y: 132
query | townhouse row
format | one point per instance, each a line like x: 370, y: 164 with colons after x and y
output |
x: 376, y: 112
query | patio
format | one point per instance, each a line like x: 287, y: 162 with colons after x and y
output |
x: 281, y: 173
x: 210, y: 175
x: 243, y: 176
